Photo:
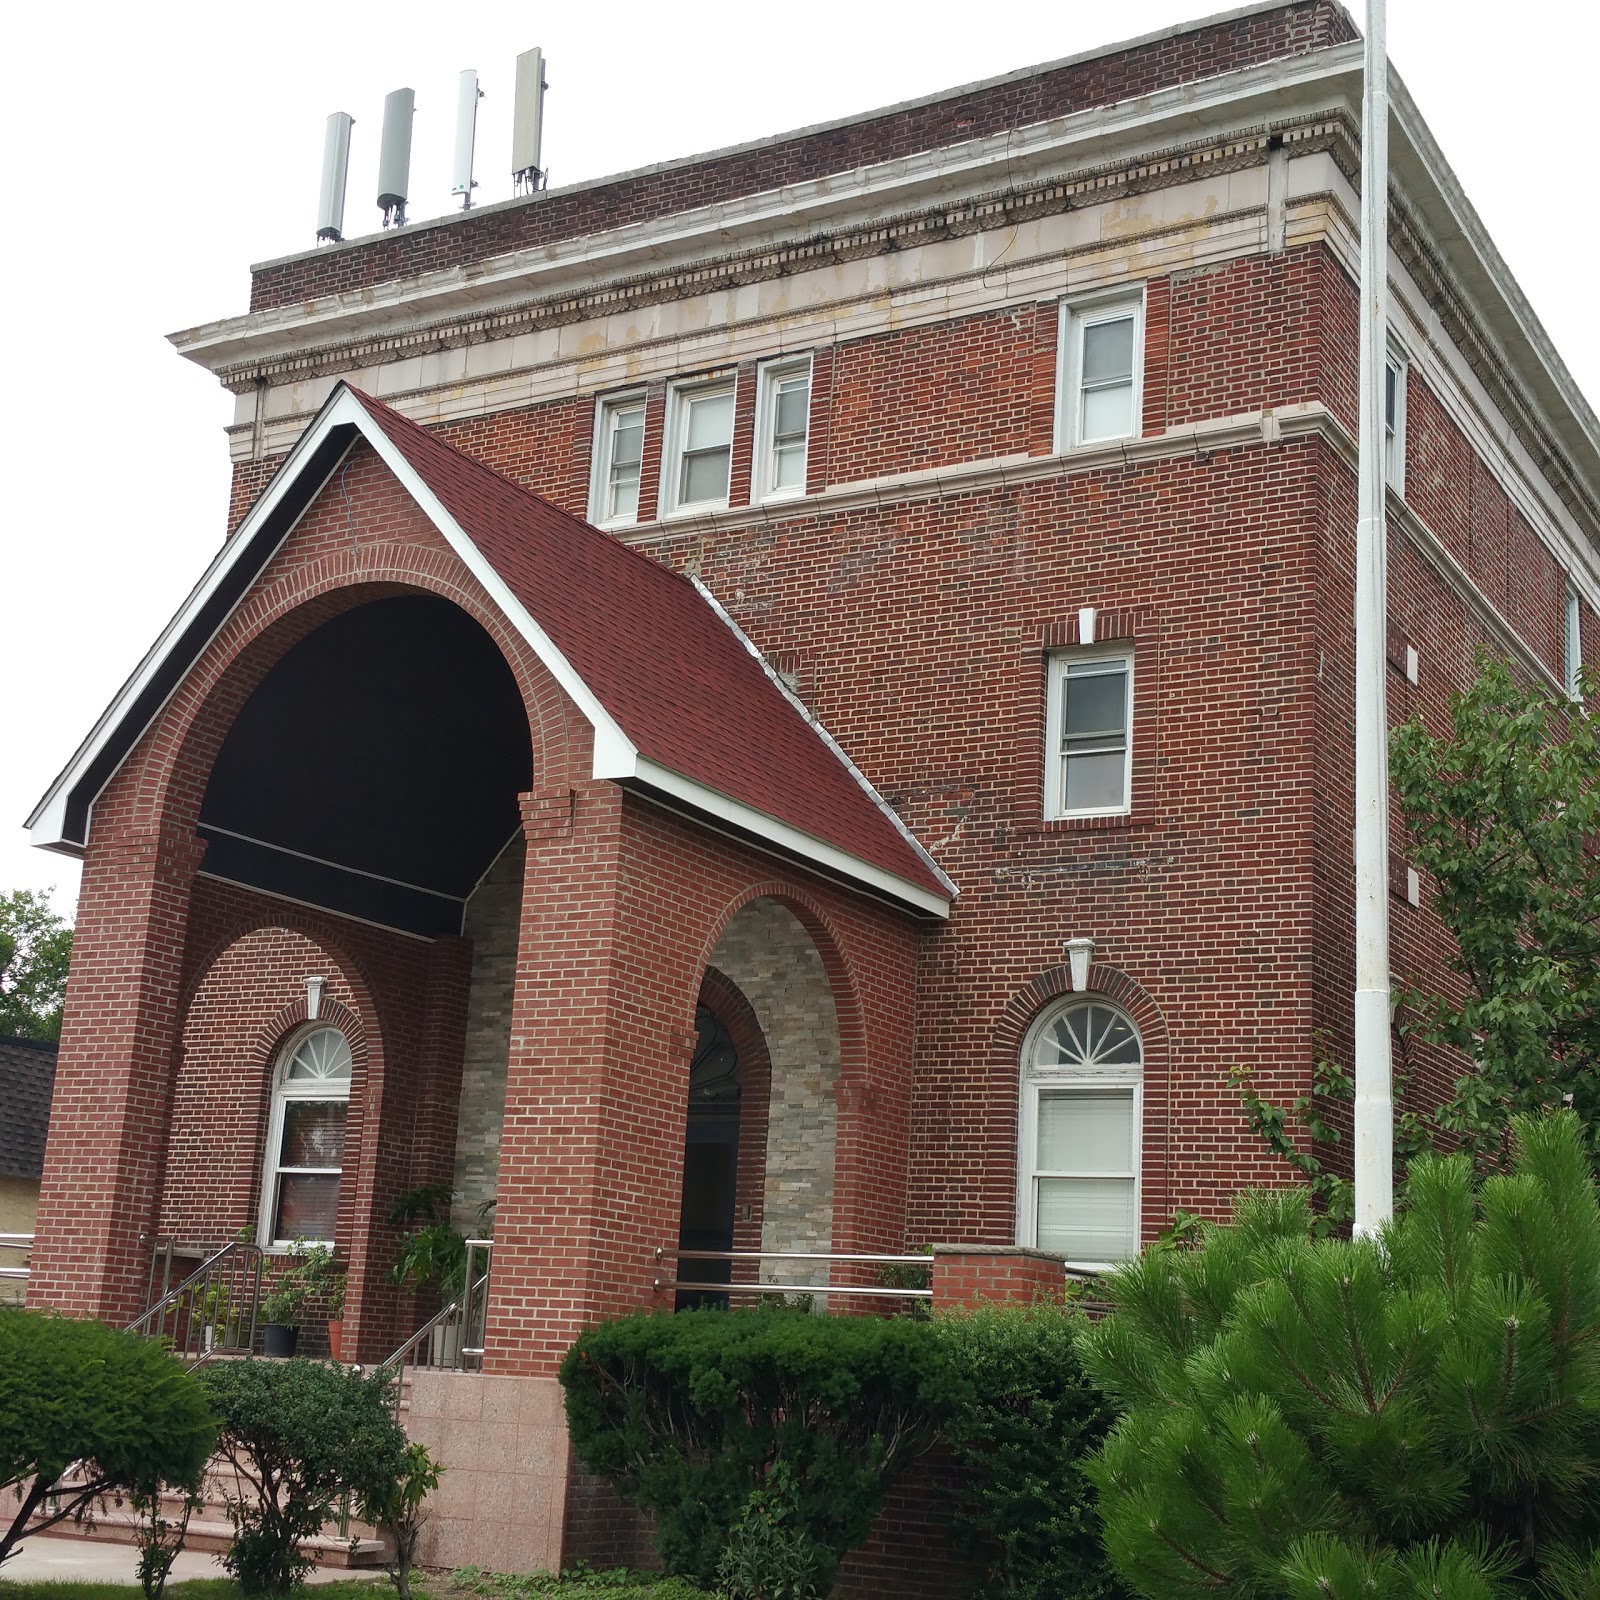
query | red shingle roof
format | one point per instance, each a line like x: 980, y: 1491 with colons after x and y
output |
x: 675, y: 677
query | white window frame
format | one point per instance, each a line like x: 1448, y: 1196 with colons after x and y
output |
x: 1076, y: 315
x: 1394, y: 439
x: 679, y: 396
x: 768, y: 377
x: 282, y: 1093
x: 1038, y: 1081
x: 1572, y: 644
x: 1055, y: 807
x: 606, y: 410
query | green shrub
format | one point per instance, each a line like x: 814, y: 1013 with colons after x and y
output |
x: 115, y: 1403
x: 396, y: 1507
x: 300, y: 1436
x: 575, y: 1581
x: 770, y: 1554
x: 1412, y: 1417
x: 1026, y: 1421
x: 689, y: 1415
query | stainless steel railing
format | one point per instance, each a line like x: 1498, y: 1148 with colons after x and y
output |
x: 213, y: 1309
x: 15, y: 1250
x: 452, y: 1340
x: 757, y: 1286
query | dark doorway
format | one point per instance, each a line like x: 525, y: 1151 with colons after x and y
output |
x: 710, y: 1158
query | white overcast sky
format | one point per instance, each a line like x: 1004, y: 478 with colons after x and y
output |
x: 152, y: 152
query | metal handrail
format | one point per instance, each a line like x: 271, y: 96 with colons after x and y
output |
x: 871, y: 1291
x: 471, y: 1302
x: 16, y: 1241
x: 235, y: 1267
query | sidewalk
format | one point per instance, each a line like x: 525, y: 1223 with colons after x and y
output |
x: 57, y: 1558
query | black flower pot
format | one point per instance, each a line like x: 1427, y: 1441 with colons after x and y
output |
x: 277, y: 1340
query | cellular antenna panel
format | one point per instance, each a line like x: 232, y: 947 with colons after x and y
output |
x: 527, y: 122
x: 335, y: 173
x: 394, y: 157
x: 467, y: 97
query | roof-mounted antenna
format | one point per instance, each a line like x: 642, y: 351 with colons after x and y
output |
x: 335, y: 172
x: 527, y: 123
x: 394, y: 159
x: 467, y: 98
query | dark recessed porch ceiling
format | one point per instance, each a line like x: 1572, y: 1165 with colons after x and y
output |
x: 375, y: 770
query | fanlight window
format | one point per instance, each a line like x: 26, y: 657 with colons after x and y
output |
x: 305, y: 1140
x: 1078, y: 1161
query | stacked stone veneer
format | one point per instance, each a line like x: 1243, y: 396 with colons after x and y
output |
x: 770, y: 957
x: 492, y: 919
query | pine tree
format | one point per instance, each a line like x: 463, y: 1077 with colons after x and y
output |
x: 1412, y: 1416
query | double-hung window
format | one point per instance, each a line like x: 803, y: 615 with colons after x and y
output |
x: 699, y: 457
x: 305, y: 1140
x: 1089, y: 733
x: 1394, y: 424
x: 783, y: 423
x: 1573, y: 652
x: 618, y: 456
x: 1078, y: 1151
x: 1101, y: 361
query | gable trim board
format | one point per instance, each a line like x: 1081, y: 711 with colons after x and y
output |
x: 62, y: 818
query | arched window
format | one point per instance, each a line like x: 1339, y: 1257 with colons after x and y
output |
x: 305, y: 1139
x: 1078, y: 1155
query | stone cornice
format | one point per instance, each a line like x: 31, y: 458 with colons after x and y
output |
x: 998, y: 208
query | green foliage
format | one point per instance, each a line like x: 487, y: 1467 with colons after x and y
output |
x: 689, y: 1415
x: 158, y: 1537
x: 35, y: 946
x: 396, y: 1506
x: 1504, y: 816
x: 300, y: 1436
x: 575, y: 1582
x: 1332, y: 1196
x: 770, y: 1553
x: 117, y: 1405
x: 1026, y: 1420
x: 311, y: 1274
x: 1413, y: 1416
x: 434, y: 1251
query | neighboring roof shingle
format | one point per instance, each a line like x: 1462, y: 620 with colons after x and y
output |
x: 675, y: 677
x: 27, y: 1078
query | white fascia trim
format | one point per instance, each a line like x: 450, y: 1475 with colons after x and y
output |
x: 47, y: 824
x: 829, y: 858
x: 614, y: 753
x: 892, y: 816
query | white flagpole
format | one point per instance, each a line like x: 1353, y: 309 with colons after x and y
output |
x: 1374, y: 1107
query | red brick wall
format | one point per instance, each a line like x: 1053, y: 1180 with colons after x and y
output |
x: 1292, y: 29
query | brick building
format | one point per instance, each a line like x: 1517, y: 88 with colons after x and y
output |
x: 698, y: 654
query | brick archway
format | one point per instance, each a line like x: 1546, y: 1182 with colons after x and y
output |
x: 720, y: 994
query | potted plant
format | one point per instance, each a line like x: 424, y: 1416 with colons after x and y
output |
x: 280, y: 1313
x: 323, y: 1279
x: 433, y: 1254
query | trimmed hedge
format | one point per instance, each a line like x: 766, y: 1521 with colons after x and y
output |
x: 1027, y: 1419
x: 80, y: 1391
x: 691, y: 1415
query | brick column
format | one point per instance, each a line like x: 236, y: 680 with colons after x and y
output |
x: 108, y: 1122
x: 591, y: 1150
x: 968, y: 1274
x: 591, y: 1159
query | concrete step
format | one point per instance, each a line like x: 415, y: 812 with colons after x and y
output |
x: 212, y: 1537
